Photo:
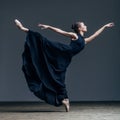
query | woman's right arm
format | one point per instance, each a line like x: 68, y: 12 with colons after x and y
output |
x: 68, y: 34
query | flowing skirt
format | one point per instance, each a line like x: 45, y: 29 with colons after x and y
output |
x: 44, y: 66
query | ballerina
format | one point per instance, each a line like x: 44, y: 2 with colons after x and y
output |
x: 45, y: 62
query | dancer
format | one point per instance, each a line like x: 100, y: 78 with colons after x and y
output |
x: 45, y: 62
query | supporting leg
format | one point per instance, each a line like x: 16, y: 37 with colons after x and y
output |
x: 66, y: 104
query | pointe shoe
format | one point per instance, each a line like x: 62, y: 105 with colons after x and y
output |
x: 18, y: 24
x: 66, y: 104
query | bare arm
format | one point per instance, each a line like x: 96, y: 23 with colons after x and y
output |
x: 68, y: 34
x: 98, y: 32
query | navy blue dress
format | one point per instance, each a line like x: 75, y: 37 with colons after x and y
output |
x: 45, y: 63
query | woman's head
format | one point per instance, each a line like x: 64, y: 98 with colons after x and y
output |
x: 79, y: 27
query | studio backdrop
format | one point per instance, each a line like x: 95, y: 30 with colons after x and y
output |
x: 93, y: 75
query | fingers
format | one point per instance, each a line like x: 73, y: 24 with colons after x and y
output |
x: 41, y: 25
x: 111, y: 24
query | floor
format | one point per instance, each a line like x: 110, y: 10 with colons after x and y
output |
x: 42, y: 111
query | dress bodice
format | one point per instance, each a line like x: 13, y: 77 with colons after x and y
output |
x: 77, y: 45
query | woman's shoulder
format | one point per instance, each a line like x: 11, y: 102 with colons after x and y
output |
x: 75, y: 37
x: 78, y: 36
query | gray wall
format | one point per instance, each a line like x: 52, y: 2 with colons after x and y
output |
x: 94, y: 74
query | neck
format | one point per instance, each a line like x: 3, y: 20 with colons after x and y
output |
x: 82, y: 33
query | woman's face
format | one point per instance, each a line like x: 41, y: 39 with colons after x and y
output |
x: 83, y: 27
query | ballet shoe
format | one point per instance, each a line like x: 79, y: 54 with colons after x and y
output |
x: 66, y: 104
x: 18, y: 24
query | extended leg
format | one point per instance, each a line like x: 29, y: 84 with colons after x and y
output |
x: 20, y: 26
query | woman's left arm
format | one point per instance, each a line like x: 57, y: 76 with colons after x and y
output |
x: 98, y: 32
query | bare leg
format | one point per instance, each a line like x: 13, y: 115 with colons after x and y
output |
x: 20, y: 26
x: 66, y: 104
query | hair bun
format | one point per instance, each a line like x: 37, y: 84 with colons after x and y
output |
x: 75, y: 26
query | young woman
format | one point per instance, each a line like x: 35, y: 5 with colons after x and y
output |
x: 45, y: 62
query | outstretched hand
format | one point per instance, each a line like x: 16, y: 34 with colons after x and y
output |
x: 42, y: 26
x: 110, y: 25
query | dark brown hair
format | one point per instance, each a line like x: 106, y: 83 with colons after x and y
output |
x: 75, y: 26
